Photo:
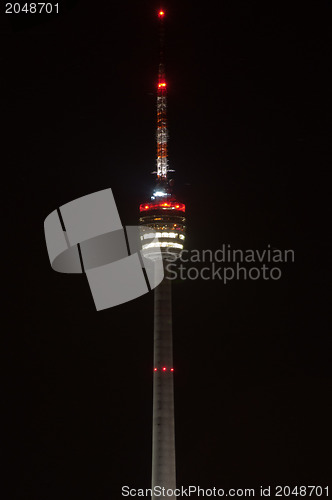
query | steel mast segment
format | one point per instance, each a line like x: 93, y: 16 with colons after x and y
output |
x: 162, y: 131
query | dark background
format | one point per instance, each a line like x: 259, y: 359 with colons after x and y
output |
x: 248, y: 99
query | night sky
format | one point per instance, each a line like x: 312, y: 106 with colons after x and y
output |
x: 248, y: 99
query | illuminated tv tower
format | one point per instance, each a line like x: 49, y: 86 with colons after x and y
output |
x: 165, y: 215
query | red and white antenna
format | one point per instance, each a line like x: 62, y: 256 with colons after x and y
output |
x: 162, y: 132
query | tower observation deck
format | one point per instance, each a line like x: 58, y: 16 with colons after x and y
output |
x: 163, y: 217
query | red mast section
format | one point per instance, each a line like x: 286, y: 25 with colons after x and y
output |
x: 163, y: 197
x: 162, y: 132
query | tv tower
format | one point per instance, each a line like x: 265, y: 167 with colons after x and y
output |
x: 165, y: 215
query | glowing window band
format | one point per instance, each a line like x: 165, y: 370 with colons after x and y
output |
x: 162, y: 235
x: 168, y: 244
x: 147, y: 236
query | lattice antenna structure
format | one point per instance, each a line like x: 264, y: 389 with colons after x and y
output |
x: 162, y: 132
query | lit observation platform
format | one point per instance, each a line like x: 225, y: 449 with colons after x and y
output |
x: 167, y: 222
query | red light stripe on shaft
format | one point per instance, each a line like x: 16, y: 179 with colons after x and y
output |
x: 164, y: 369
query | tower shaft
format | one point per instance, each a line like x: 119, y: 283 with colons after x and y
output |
x: 163, y: 434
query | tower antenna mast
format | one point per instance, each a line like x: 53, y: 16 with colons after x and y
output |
x: 162, y: 132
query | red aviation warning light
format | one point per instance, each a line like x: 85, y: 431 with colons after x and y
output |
x: 161, y: 85
x: 164, y: 369
x: 161, y: 14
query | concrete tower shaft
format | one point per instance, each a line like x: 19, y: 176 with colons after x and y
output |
x: 163, y: 432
